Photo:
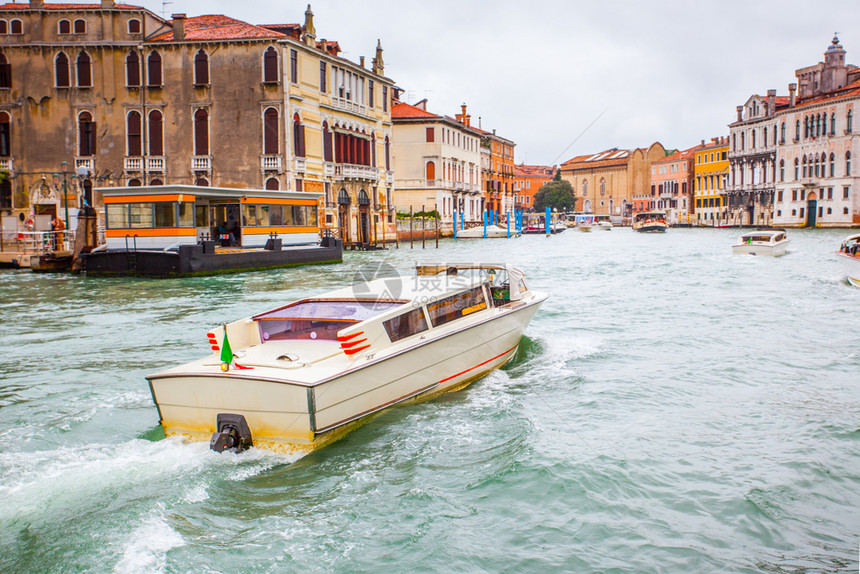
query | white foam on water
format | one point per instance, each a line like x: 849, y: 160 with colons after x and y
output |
x: 149, y: 544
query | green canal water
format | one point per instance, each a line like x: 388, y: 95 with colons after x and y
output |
x: 672, y: 408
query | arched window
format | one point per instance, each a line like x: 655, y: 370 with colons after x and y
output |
x: 270, y: 131
x: 64, y: 27
x: 602, y: 186
x: 80, y: 26
x: 201, y: 182
x: 584, y: 187
x: 134, y: 26
x: 849, y: 126
x: 272, y: 184
x: 804, y: 166
x: 832, y: 164
x: 796, y: 169
x: 764, y: 137
x: 5, y: 135
x: 743, y: 141
x: 84, y: 70
x: 387, y: 154
x: 201, y: 68
x: 816, y: 166
x: 797, y: 129
x: 298, y: 137
x: 782, y: 170
x: 4, y: 27
x: 847, y: 163
x: 132, y: 69
x: 156, y: 133
x: 153, y: 70
x: 156, y: 181
x: 430, y: 173
x: 833, y: 124
x: 134, y: 182
x: 133, y: 133
x: 805, y: 126
x: 270, y: 66
x: 782, y: 132
x: 5, y: 72
x: 201, y: 132
x: 16, y: 27
x: 327, y: 147
x: 86, y: 134
x: 373, y: 150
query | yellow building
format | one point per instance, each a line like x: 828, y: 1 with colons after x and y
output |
x: 107, y: 94
x: 710, y: 177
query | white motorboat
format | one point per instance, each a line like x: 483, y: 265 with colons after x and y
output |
x: 603, y: 222
x: 650, y: 222
x: 584, y: 222
x: 493, y: 231
x: 296, y: 377
x: 849, y: 252
x: 764, y: 241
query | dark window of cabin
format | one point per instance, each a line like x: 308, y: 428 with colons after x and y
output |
x: 405, y: 325
x: 456, y: 306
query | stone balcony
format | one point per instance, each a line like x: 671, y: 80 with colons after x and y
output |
x: 6, y: 163
x: 358, y: 172
x: 201, y: 163
x: 270, y: 162
x: 348, y: 106
x: 88, y: 163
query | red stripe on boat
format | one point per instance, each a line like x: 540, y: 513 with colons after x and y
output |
x: 356, y: 350
x: 479, y: 365
x: 343, y: 338
x: 353, y: 343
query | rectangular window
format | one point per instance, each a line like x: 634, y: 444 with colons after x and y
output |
x: 323, y: 78
x: 779, y: 195
x: 845, y: 192
x: 165, y: 214
x: 793, y: 195
x: 829, y: 193
x: 405, y: 325
x: 117, y: 215
x: 431, y: 135
x: 384, y: 98
x: 460, y: 305
x: 186, y: 214
x: 370, y: 93
x: 294, y: 66
x: 201, y: 216
x: 300, y: 184
x: 276, y: 215
x: 139, y: 215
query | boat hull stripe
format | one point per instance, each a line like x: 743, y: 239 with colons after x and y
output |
x: 479, y: 365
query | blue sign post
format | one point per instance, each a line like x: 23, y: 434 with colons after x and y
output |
x: 485, y: 224
x: 455, y: 225
x: 508, y: 222
x: 548, y: 217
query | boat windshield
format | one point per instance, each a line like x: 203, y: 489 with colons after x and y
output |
x: 317, y: 319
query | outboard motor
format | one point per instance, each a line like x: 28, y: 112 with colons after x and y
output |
x: 233, y: 434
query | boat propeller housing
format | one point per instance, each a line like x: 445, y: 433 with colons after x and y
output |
x: 233, y: 434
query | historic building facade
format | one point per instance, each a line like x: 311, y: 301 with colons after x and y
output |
x: 528, y: 179
x: 111, y: 94
x: 607, y: 183
x: 817, y: 179
x: 498, y: 174
x: 710, y: 178
x: 672, y: 186
x: 437, y: 162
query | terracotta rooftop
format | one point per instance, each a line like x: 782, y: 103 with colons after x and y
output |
x: 292, y: 30
x: 612, y: 156
x: 523, y: 170
x: 401, y: 110
x: 851, y: 90
x: 46, y: 6
x: 219, y: 27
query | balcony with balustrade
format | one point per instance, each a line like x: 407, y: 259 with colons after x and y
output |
x: 348, y: 106
x: 201, y: 163
x: 155, y: 164
x: 270, y: 162
x: 88, y: 163
x: 357, y: 172
x: 6, y: 163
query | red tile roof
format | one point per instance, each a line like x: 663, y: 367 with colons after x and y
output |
x: 851, y: 90
x: 46, y: 6
x: 219, y: 27
x: 401, y: 110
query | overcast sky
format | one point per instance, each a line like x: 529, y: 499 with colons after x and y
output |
x: 540, y: 71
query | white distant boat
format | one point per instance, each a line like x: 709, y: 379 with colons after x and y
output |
x: 770, y: 242
x: 493, y: 231
x: 583, y: 222
x: 849, y: 252
x: 650, y: 222
x: 603, y: 222
x: 298, y: 376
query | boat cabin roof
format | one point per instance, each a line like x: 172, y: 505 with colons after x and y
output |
x: 764, y: 235
x: 644, y: 214
x: 191, y: 192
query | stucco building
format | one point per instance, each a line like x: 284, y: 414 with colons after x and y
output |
x: 437, y: 162
x: 672, y: 186
x: 112, y: 94
x: 606, y: 183
x: 710, y: 177
x: 528, y: 179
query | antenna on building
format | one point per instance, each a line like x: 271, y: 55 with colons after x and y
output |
x: 164, y: 9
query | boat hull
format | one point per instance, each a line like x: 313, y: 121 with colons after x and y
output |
x: 852, y: 266
x: 288, y: 416
x: 652, y: 228
x: 768, y: 250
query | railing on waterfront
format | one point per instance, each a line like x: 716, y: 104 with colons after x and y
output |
x: 37, y: 242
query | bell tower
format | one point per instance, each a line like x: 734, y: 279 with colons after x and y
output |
x: 835, y: 73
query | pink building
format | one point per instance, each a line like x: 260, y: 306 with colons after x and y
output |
x: 672, y: 186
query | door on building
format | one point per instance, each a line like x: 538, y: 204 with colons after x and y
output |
x: 343, y: 202
x: 812, y: 210
x: 363, y: 217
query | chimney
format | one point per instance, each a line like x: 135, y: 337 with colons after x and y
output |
x: 703, y: 143
x: 791, y: 99
x: 108, y: 4
x: 771, y: 102
x: 178, y: 27
x: 740, y: 113
x: 36, y: 3
x: 361, y: 61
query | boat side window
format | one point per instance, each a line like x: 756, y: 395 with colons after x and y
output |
x: 117, y: 215
x: 456, y: 306
x: 405, y: 325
